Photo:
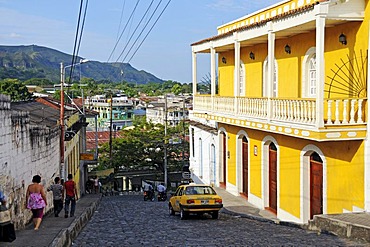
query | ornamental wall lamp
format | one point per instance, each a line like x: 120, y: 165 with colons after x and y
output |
x: 287, y: 49
x: 251, y: 55
x: 343, y: 39
x: 223, y: 60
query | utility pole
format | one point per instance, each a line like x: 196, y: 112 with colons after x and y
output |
x: 63, y: 166
x: 110, y: 130
x: 165, y: 140
x: 183, y: 131
x: 61, y: 121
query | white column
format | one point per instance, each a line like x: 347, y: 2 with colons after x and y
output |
x: 367, y: 142
x: 213, y: 71
x: 320, y: 69
x: 236, y: 66
x: 194, y: 71
x: 236, y: 72
x: 270, y: 69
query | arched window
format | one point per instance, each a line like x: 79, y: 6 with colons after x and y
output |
x: 200, y: 158
x: 309, y: 74
x: 274, y: 81
x: 241, y: 79
x: 312, y: 76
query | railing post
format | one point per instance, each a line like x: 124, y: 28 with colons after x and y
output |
x: 359, y: 113
x: 336, y: 112
x: 329, y: 112
x: 345, y: 114
x: 352, y: 111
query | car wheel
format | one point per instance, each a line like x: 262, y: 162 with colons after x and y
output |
x: 183, y: 214
x: 215, y: 215
x: 172, y: 212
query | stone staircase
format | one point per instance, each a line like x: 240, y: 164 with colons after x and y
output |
x: 349, y: 225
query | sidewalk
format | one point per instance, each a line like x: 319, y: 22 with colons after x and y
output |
x: 58, y: 231
x: 238, y: 206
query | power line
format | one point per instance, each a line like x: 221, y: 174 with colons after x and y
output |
x: 146, y: 24
x: 77, y: 44
x: 149, y: 30
x: 120, y: 21
x: 137, y: 26
x: 76, y: 38
x: 115, y: 46
x: 82, y: 27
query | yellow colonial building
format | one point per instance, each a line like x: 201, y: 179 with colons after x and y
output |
x: 285, y: 121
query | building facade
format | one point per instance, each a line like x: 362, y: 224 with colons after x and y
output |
x: 291, y: 108
x: 29, y: 146
x: 173, y: 109
x: 122, y: 111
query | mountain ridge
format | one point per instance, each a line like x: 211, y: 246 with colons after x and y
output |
x: 32, y: 61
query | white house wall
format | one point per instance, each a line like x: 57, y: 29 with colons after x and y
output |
x: 25, y: 151
x: 201, y: 169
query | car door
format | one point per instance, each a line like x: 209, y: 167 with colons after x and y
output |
x: 175, y: 200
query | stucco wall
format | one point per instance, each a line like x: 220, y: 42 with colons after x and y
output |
x: 25, y: 151
x: 344, y: 165
x: 201, y: 161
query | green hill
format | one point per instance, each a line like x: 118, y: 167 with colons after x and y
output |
x: 26, y: 62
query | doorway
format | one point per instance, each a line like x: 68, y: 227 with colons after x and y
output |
x: 316, y: 185
x: 272, y: 177
x: 245, y: 166
x: 224, y: 155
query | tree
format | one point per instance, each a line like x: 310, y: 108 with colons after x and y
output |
x: 143, y: 148
x: 38, y: 82
x: 15, y: 89
x: 176, y: 89
x: 56, y: 95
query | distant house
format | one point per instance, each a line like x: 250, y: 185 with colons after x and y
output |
x: 122, y: 112
x: 174, y: 111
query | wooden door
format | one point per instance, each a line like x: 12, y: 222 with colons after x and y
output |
x: 224, y: 155
x: 272, y: 178
x: 316, y: 181
x: 245, y: 166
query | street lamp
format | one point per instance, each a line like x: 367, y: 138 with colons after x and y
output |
x: 62, y: 75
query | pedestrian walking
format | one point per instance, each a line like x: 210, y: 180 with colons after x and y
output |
x: 70, y: 192
x: 36, y: 200
x: 96, y: 185
x: 58, y: 195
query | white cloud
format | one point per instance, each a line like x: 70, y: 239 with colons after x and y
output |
x: 14, y: 35
x: 20, y: 28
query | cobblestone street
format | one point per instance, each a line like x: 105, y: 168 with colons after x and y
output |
x: 130, y: 221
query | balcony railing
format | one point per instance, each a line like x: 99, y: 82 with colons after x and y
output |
x: 339, y: 112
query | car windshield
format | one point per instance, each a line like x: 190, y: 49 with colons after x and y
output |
x: 199, y: 190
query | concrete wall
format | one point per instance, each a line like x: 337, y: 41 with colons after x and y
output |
x: 25, y: 150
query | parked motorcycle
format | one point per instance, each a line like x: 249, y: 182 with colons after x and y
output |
x: 148, y: 195
x: 162, y: 196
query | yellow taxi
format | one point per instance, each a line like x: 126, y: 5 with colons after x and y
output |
x: 195, y: 199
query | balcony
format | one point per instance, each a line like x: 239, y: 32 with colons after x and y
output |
x: 344, y: 117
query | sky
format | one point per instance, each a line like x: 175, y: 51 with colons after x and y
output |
x: 165, y: 52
